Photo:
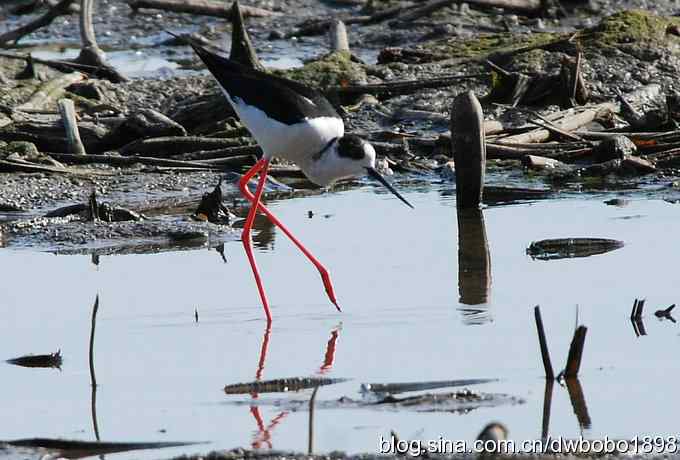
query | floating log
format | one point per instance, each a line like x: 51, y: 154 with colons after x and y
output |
x: 50, y: 360
x: 394, y: 388
x: 279, y: 385
x: 78, y: 449
x: 562, y: 248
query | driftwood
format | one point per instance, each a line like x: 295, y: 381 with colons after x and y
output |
x: 90, y: 53
x: 570, y: 121
x: 242, y: 49
x: 561, y: 248
x: 396, y: 88
x: 628, y: 165
x: 200, y: 7
x: 50, y: 360
x: 279, y: 385
x: 49, y: 135
x: 78, y: 449
x: 395, y: 388
x: 176, y: 145
x: 49, y: 92
x: 112, y: 160
x: 26, y: 166
x: 252, y: 151
x: 68, y: 116
x: 338, y: 36
x: 46, y: 19
x: 541, y: 163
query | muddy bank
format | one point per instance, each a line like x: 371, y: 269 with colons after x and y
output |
x: 576, y: 98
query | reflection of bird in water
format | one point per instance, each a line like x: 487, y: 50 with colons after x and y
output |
x: 296, y: 123
x: 263, y: 435
x: 491, y: 436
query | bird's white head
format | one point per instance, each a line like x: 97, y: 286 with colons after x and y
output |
x: 356, y: 157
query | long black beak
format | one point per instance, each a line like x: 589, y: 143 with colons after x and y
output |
x: 376, y: 175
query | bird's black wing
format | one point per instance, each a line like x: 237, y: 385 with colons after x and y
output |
x: 284, y: 100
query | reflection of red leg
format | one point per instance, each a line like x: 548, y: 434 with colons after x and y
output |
x: 325, y: 276
x: 245, y: 236
x: 261, y: 435
x: 330, y: 352
x: 263, y: 355
x: 264, y: 434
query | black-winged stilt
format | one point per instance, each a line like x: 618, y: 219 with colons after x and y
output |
x: 294, y: 122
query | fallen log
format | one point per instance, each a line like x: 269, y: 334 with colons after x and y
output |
x: 50, y: 137
x: 397, y: 88
x: 569, y: 122
x: 178, y: 145
x: 26, y: 166
x: 200, y: 7
x: 229, y: 152
x: 49, y: 92
x: 113, y: 160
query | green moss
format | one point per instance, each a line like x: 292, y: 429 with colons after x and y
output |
x: 21, y: 148
x: 333, y: 69
x: 467, y: 48
x: 633, y: 26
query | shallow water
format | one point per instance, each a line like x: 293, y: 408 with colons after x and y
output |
x: 161, y: 374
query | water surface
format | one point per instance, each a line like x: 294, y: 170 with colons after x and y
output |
x: 396, y: 275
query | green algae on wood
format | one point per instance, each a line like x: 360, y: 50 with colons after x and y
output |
x: 334, y: 69
x: 484, y: 45
x: 632, y: 26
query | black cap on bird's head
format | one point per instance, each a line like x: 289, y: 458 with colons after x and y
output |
x: 354, y: 148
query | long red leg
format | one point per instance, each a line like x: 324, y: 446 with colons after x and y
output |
x: 325, y: 276
x: 245, y: 236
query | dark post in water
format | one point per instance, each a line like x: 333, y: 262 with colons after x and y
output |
x: 469, y: 149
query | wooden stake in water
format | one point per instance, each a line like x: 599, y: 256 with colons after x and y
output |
x: 469, y: 149
x: 545, y: 354
x: 575, y: 352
